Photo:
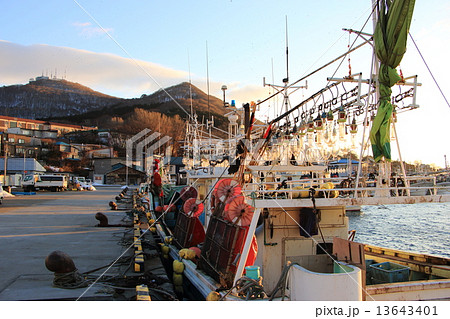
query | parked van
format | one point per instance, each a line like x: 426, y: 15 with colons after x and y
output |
x: 81, y: 183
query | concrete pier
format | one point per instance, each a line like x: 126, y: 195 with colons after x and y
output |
x: 31, y: 227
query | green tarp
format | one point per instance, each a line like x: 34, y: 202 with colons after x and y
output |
x: 391, y: 33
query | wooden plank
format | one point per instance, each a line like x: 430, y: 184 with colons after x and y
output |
x: 349, y: 251
x: 353, y: 253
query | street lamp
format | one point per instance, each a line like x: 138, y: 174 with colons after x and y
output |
x: 224, y: 88
x: 24, y: 157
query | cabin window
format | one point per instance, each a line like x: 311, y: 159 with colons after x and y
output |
x: 51, y: 178
x: 324, y: 248
x: 12, y: 124
x: 21, y: 141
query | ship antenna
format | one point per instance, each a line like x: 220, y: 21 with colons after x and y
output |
x: 286, y: 80
x: 207, y: 76
x: 287, y: 54
x: 284, y: 88
x: 190, y: 84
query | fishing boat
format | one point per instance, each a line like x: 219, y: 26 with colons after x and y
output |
x: 262, y: 216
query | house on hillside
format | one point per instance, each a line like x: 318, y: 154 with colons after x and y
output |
x: 69, y: 151
x: 101, y: 152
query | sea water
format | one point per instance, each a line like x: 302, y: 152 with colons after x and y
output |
x: 420, y: 228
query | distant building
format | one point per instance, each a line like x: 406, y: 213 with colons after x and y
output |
x: 104, y: 152
x: 120, y: 173
x: 7, y: 122
x: 173, y: 165
x: 343, y: 167
x: 33, y: 132
x: 38, y: 78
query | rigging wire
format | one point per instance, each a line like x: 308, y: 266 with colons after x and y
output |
x: 351, y: 46
x: 311, y: 73
x: 132, y: 59
x: 325, y: 65
x: 331, y: 46
x: 342, y: 57
x: 429, y: 70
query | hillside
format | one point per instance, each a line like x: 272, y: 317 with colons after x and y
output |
x: 165, y: 111
x: 57, y: 99
x: 40, y: 98
x: 183, y: 93
x: 159, y: 102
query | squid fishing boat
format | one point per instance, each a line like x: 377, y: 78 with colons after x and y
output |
x: 262, y: 214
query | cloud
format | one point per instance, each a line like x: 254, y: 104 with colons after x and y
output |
x: 86, y: 30
x: 107, y: 73
x: 238, y: 91
x: 81, y: 24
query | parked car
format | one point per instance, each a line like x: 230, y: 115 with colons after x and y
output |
x: 1, y: 194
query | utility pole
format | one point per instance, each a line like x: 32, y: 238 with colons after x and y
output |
x: 5, y: 159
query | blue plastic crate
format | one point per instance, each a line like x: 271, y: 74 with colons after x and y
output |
x: 388, y: 272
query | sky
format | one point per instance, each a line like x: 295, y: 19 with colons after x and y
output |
x: 134, y: 47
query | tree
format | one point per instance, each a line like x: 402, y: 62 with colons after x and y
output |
x: 167, y: 126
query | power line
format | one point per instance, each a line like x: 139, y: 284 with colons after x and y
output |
x: 132, y: 59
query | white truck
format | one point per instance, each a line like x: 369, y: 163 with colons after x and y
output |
x: 54, y: 183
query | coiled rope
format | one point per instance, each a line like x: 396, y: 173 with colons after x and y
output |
x: 70, y: 280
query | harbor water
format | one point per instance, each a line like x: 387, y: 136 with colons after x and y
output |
x: 420, y: 228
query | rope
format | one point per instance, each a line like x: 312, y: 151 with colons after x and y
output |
x: 250, y: 288
x: 70, y: 280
